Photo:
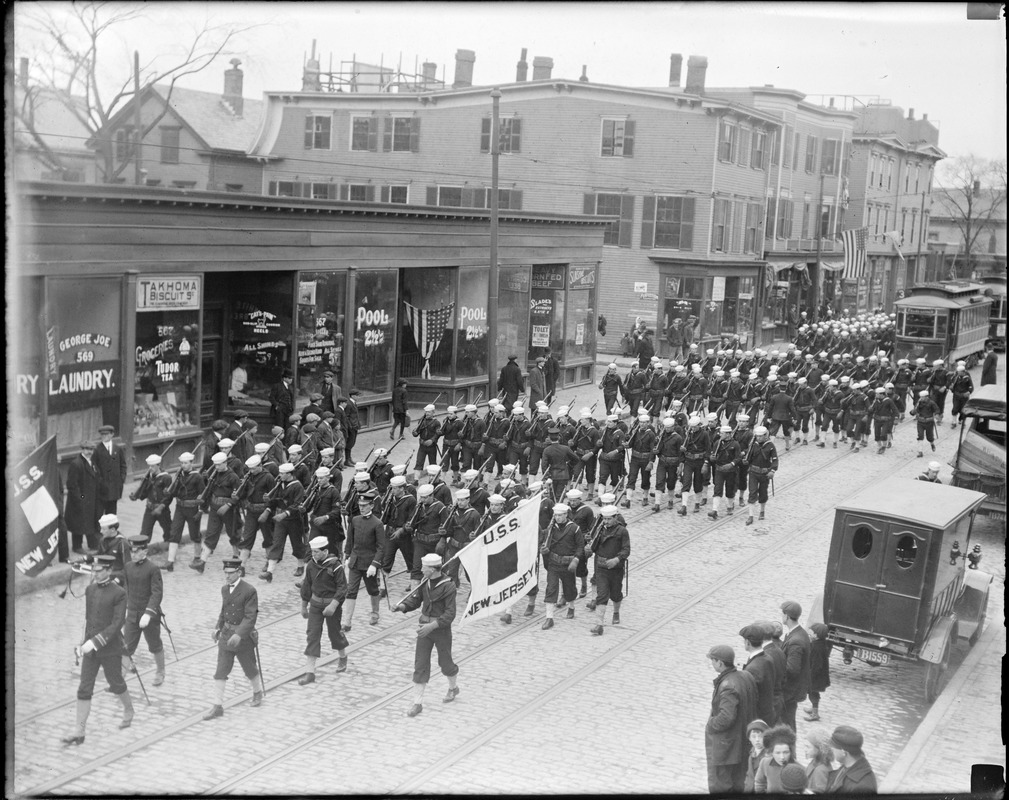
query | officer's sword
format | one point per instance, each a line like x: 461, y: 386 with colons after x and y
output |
x: 168, y: 630
x: 259, y: 663
x: 772, y: 486
x: 385, y: 585
x: 136, y: 672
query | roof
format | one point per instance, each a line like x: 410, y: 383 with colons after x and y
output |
x: 56, y: 125
x: 932, y: 505
x: 987, y: 402
x: 212, y: 120
x: 936, y: 301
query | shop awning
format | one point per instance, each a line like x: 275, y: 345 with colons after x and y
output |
x: 782, y: 267
x: 832, y: 266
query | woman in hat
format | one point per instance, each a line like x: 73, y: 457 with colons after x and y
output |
x: 779, y: 744
x: 821, y: 759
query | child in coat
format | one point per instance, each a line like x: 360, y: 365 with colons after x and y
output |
x: 819, y: 668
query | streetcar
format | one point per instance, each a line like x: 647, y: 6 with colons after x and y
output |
x: 947, y: 320
x: 980, y: 461
x: 994, y: 286
x: 898, y: 586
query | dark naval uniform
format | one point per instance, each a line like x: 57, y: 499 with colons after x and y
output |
x: 323, y: 590
x: 564, y: 543
x: 251, y: 497
x: 154, y: 492
x: 239, y: 611
x: 144, y: 591
x: 436, y: 599
x: 105, y: 613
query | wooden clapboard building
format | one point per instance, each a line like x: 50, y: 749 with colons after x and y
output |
x: 158, y: 311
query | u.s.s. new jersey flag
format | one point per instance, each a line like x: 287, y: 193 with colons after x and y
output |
x: 33, y: 512
x: 501, y: 562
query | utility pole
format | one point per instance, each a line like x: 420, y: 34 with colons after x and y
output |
x: 492, y: 275
x: 917, y: 258
x: 820, y: 277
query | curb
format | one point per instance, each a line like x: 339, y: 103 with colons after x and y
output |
x: 917, y: 746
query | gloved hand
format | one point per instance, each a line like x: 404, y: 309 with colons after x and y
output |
x: 545, y: 550
x: 320, y: 520
x: 88, y: 647
x: 234, y: 640
x: 588, y: 550
x: 458, y: 448
x: 215, y: 635
x: 158, y: 510
x: 304, y: 610
x: 401, y: 608
x: 371, y: 571
x: 330, y: 610
x: 145, y: 620
x: 280, y: 516
x: 770, y: 474
x: 426, y: 628
x: 526, y: 451
x: 612, y: 563
x: 427, y: 442
x: 573, y: 565
x: 587, y: 457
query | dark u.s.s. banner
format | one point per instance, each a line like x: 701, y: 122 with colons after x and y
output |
x: 33, y: 512
x: 501, y: 562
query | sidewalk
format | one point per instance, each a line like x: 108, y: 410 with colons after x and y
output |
x: 963, y: 727
x: 131, y: 513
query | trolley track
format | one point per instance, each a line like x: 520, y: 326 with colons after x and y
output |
x: 402, y: 626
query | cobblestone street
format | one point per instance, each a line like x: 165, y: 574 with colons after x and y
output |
x: 529, y: 698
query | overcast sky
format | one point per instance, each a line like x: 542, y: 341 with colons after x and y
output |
x: 924, y: 56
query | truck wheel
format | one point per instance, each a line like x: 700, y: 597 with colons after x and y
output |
x: 934, y: 675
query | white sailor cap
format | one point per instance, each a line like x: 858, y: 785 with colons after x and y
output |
x: 107, y: 520
x: 760, y: 430
x: 608, y: 511
x: 219, y: 458
x: 431, y: 560
x: 398, y: 469
x: 322, y: 472
x: 319, y: 543
x: 452, y: 409
x: 505, y: 483
x: 518, y: 411
x: 471, y: 474
x: 496, y: 499
x: 643, y: 418
x: 286, y: 468
x: 294, y: 448
x: 429, y: 408
x: 362, y: 477
x: 186, y: 458
x: 153, y: 460
x: 561, y: 508
x: 253, y: 461
x: 668, y: 422
x: 361, y: 466
x: 462, y: 494
x: 425, y: 490
x: 432, y: 469
x: 397, y: 480
x: 535, y: 486
x: 225, y: 443
x: 471, y: 407
x: 261, y: 447
x: 573, y: 494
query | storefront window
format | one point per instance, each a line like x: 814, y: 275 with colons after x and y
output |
x: 83, y: 358
x: 580, y: 327
x: 375, y: 331
x: 166, y: 396
x: 28, y: 331
x: 513, y: 313
x: 260, y: 337
x: 322, y: 299
x: 683, y: 301
x: 471, y: 326
x: 428, y: 323
x: 546, y: 309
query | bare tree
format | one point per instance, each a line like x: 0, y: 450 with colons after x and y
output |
x: 973, y: 196
x: 80, y: 62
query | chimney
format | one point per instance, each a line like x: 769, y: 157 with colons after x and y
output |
x: 831, y: 102
x: 542, y: 67
x: 910, y: 113
x: 429, y: 73
x: 23, y: 73
x: 977, y: 188
x: 924, y: 117
x: 522, y: 68
x: 233, y: 87
x: 463, y: 69
x: 697, y: 67
x: 585, y: 74
x: 310, y: 81
x: 675, y: 68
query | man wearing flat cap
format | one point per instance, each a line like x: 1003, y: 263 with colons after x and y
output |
x: 436, y: 599
x: 282, y: 398
x: 144, y: 591
x: 761, y: 667
x: 83, y: 507
x: 322, y: 595
x: 105, y: 612
x: 797, y: 647
x: 537, y: 382
x: 733, y: 707
x: 313, y: 407
x: 110, y: 459
x: 854, y: 775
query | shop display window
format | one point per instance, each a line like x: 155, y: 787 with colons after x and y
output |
x: 580, y: 326
x: 428, y: 322
x: 260, y: 337
x: 375, y: 331
x: 546, y: 310
x: 322, y: 298
x: 513, y: 313
x: 471, y: 325
x: 28, y: 331
x: 82, y: 357
x: 166, y: 396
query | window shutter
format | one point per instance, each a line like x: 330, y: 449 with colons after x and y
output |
x: 516, y: 203
x: 373, y: 134
x: 369, y: 193
x: 344, y: 191
x: 387, y: 124
x: 485, y: 124
x: 628, y: 149
x: 468, y: 197
x: 648, y: 222
x: 432, y: 195
x: 626, y: 220
x: 309, y: 130
x: 273, y: 189
x: 384, y: 194
x: 589, y: 204
x: 415, y: 135
x: 744, y: 148
x: 516, y: 142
